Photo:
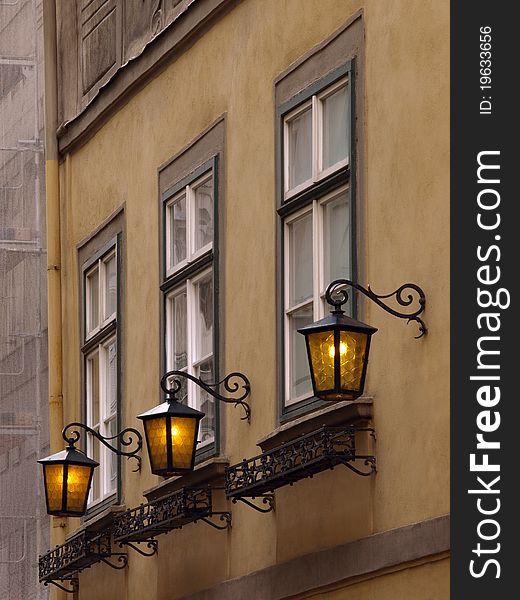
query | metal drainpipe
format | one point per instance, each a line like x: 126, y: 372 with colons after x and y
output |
x: 52, y: 197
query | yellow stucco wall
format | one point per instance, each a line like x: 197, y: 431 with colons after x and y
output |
x: 231, y: 70
x: 428, y: 581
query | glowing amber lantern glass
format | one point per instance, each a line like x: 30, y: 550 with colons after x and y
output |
x: 67, y: 480
x: 171, y: 431
x: 337, y: 349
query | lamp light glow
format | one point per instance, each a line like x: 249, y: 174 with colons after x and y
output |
x: 67, y: 480
x: 171, y: 431
x: 337, y: 350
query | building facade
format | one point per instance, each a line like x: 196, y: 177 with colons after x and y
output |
x: 218, y: 164
x: 24, y: 525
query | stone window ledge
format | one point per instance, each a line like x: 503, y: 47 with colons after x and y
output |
x: 100, y: 520
x: 339, y: 413
x: 211, y: 471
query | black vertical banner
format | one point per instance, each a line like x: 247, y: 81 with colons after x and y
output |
x: 485, y: 268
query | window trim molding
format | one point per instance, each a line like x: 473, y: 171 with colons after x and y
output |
x: 209, y: 258
x: 287, y: 206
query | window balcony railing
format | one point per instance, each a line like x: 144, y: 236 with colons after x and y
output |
x: 80, y: 552
x: 145, y: 522
x: 302, y: 457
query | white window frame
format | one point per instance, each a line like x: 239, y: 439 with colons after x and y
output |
x: 100, y: 266
x: 318, y: 174
x: 316, y: 207
x: 190, y: 285
x: 191, y: 253
x: 107, y: 487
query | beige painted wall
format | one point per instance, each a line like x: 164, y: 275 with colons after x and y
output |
x: 231, y: 70
x: 429, y: 581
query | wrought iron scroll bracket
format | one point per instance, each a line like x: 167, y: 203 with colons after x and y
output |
x: 122, y: 558
x: 232, y: 383
x: 74, y: 582
x: 71, y: 434
x: 267, y: 499
x: 405, y: 296
x: 224, y: 517
x: 152, y: 544
x: 370, y: 461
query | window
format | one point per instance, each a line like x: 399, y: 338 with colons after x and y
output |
x: 101, y: 368
x: 316, y: 138
x: 189, y: 224
x: 316, y: 218
x: 189, y: 295
x: 317, y: 251
x: 101, y: 395
x: 101, y: 294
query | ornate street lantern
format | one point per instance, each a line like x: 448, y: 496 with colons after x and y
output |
x: 171, y: 431
x: 337, y: 349
x: 68, y: 474
x: 338, y: 346
x: 172, y: 428
x: 67, y: 479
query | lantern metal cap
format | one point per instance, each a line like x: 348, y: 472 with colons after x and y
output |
x: 71, y: 456
x: 339, y: 320
x: 172, y: 408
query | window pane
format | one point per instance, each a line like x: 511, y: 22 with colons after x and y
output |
x: 110, y: 287
x: 336, y: 239
x: 92, y: 300
x: 179, y: 345
x: 300, y: 149
x: 300, y: 260
x: 335, y: 128
x: 206, y: 403
x: 299, y: 377
x: 111, y: 379
x: 93, y: 389
x: 177, y: 224
x: 204, y: 317
x: 203, y: 214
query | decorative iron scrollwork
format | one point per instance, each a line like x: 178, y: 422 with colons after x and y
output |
x: 74, y: 583
x: 187, y: 505
x: 121, y: 561
x: 405, y: 296
x: 83, y: 550
x: 224, y: 517
x: 300, y: 458
x: 72, y: 434
x: 232, y: 383
x: 151, y: 544
x: 267, y: 499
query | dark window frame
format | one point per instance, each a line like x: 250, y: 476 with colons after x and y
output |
x: 170, y: 282
x: 285, y: 208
